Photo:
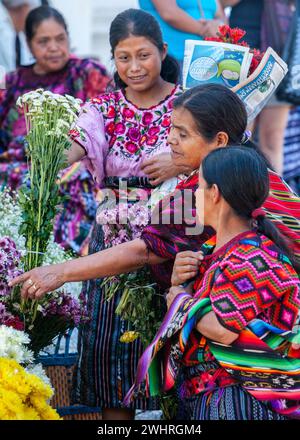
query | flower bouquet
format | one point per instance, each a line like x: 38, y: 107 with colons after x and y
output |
x: 53, y: 315
x: 27, y: 219
x: 24, y: 387
x: 140, y: 305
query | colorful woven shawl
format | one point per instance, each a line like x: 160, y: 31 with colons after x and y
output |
x: 261, y: 359
x: 166, y: 240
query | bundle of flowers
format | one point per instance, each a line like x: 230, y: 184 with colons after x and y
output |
x: 53, y: 315
x: 9, y: 261
x: 23, y: 396
x: 226, y: 34
x: 140, y: 305
x: 27, y: 219
x: 24, y: 387
x: 49, y: 119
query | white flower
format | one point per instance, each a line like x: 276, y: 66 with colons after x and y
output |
x: 13, y: 345
x: 62, y: 123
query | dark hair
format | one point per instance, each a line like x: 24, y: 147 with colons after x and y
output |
x: 141, y: 24
x: 242, y: 177
x: 38, y: 15
x: 215, y: 108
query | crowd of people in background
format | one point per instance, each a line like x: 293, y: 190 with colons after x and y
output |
x: 140, y: 126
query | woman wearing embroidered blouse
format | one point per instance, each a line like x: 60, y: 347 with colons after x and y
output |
x: 185, y: 19
x: 122, y: 136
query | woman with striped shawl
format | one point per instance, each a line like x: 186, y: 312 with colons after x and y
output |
x: 227, y: 337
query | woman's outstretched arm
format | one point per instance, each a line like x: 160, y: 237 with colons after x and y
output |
x: 75, y: 153
x: 119, y: 259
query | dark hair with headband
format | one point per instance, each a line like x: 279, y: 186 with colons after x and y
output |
x: 242, y: 177
x: 138, y: 23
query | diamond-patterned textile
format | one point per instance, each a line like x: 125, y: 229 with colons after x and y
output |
x: 254, y: 291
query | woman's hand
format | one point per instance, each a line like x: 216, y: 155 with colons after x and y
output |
x: 185, y: 266
x: 160, y: 168
x: 39, y: 281
x: 173, y: 292
x: 210, y: 27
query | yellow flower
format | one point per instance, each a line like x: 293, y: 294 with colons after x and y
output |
x: 23, y: 396
x: 129, y: 336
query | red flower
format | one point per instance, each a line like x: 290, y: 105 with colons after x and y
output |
x: 120, y: 128
x: 74, y: 133
x: 110, y: 128
x: 15, y: 323
x: 131, y: 147
x: 111, y: 112
x: 153, y: 131
x: 257, y: 57
x: 224, y: 30
x: 166, y: 121
x: 243, y: 43
x: 112, y: 141
x: 236, y: 35
x: 152, y: 140
x: 147, y: 118
x: 127, y: 113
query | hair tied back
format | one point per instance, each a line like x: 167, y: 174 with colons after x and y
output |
x: 246, y: 137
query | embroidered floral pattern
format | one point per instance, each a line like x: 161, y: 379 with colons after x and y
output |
x: 130, y: 130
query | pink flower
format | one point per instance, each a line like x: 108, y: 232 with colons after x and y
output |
x: 131, y: 147
x: 127, y: 113
x: 110, y: 128
x: 120, y: 128
x: 152, y: 140
x: 153, y: 131
x: 134, y: 134
x: 147, y: 118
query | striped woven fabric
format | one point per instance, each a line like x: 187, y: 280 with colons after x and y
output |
x: 283, y: 208
x: 254, y: 291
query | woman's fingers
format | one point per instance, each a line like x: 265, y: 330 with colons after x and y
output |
x: 39, y: 281
x: 19, y: 279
